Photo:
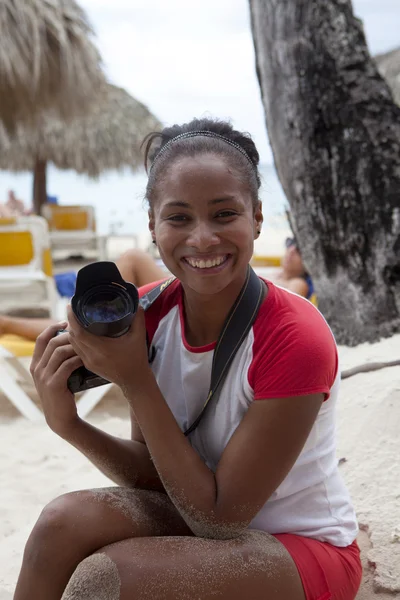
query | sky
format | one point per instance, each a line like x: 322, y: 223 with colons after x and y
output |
x: 186, y: 58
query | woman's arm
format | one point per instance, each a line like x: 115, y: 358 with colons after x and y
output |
x: 297, y: 285
x: 139, y: 267
x: 126, y: 462
x: 24, y: 327
x: 258, y: 457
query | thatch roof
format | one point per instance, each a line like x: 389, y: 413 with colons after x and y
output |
x: 108, y: 137
x: 389, y: 68
x: 47, y: 60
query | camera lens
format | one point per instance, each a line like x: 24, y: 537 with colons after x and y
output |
x: 103, y: 302
x: 105, y: 307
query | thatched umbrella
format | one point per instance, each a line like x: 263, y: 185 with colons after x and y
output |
x: 47, y: 60
x: 389, y: 68
x: 107, y: 138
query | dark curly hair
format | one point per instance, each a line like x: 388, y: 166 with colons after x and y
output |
x: 193, y: 146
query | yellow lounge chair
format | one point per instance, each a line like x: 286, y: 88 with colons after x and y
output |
x: 72, y: 229
x: 26, y: 279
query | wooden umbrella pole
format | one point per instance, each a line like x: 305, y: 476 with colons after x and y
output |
x: 39, y: 185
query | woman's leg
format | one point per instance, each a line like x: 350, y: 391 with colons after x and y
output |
x: 139, y: 268
x: 75, y: 525
x: 27, y: 328
x: 254, y: 566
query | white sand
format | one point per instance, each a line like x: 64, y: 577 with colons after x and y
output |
x: 36, y: 466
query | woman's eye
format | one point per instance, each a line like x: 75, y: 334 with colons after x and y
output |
x: 226, y: 213
x: 177, y: 218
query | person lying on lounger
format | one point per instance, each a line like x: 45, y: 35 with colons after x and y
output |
x: 293, y: 275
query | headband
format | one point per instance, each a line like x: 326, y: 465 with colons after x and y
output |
x: 205, y: 133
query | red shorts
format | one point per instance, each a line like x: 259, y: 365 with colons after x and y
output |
x: 327, y: 572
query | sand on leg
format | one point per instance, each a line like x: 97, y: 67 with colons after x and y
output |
x: 254, y: 565
x: 75, y: 525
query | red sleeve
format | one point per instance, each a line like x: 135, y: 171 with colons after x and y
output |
x: 161, y: 306
x: 294, y: 351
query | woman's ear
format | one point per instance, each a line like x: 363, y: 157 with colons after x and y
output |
x: 151, y: 224
x: 258, y: 219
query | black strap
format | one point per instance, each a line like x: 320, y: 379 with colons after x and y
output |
x: 237, y: 325
x: 148, y: 299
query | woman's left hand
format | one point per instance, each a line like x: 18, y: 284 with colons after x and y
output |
x: 122, y: 360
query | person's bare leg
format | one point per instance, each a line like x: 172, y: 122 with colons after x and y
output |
x: 27, y: 328
x: 75, y: 525
x: 255, y: 566
x: 139, y: 268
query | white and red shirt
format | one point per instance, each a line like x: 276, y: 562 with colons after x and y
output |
x: 289, y: 351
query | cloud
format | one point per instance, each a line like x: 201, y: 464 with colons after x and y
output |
x: 184, y: 59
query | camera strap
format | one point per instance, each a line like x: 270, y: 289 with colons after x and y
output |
x: 236, y: 327
x: 148, y: 299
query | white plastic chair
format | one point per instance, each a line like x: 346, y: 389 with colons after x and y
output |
x: 73, y: 229
x: 15, y: 355
x: 13, y: 374
x: 26, y: 278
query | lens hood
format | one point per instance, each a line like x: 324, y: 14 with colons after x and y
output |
x: 98, y: 279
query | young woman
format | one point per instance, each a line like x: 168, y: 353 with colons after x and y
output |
x: 251, y: 504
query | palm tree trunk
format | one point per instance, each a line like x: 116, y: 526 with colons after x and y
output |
x: 39, y: 185
x: 334, y: 131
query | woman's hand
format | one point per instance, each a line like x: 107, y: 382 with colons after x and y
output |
x: 122, y: 360
x: 53, y: 361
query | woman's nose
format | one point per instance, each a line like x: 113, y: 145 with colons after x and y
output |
x: 202, y: 236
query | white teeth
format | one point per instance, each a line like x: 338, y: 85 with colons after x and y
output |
x: 206, y: 264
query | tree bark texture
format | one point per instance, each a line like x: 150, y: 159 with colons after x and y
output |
x: 39, y: 185
x: 335, y: 135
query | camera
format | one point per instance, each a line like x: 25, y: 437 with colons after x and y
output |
x: 105, y: 305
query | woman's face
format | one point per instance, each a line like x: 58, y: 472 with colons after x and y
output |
x: 204, y: 223
x: 292, y: 262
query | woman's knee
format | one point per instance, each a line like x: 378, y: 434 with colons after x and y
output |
x: 57, y: 530
x: 77, y: 524
x: 95, y: 577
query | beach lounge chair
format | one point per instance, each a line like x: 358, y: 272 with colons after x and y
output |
x: 15, y: 356
x: 26, y: 280
x: 72, y: 230
x: 13, y: 374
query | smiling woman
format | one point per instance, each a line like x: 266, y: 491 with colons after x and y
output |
x: 209, y: 214
x: 250, y: 502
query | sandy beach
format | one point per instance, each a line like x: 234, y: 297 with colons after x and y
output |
x: 36, y: 466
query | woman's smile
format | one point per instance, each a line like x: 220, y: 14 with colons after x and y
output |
x: 207, y: 265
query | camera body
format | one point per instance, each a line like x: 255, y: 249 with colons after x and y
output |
x: 105, y: 305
